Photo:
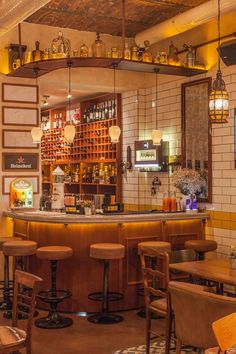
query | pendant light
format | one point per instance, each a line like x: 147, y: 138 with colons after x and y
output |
x: 219, y: 98
x: 36, y: 132
x: 114, y: 130
x: 156, y: 133
x: 69, y: 130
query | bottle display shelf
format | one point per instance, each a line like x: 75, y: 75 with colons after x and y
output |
x: 43, y: 67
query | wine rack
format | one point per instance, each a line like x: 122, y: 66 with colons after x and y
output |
x: 91, y: 148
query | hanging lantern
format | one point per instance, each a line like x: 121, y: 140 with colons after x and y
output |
x: 69, y: 133
x: 219, y: 98
x: 156, y: 136
x: 218, y: 101
x: 36, y: 134
x: 114, y: 133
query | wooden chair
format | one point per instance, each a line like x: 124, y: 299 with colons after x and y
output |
x: 195, y: 309
x: 225, y: 333
x: 155, y: 281
x: 12, y: 339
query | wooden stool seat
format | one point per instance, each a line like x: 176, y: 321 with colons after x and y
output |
x: 55, y: 253
x: 11, y: 336
x: 7, y: 239
x: 201, y: 245
x: 159, y: 246
x: 19, y: 248
x: 107, y: 251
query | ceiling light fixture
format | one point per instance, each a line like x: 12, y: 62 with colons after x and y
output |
x: 69, y: 130
x: 36, y: 132
x: 219, y: 97
x: 156, y: 133
x: 114, y: 130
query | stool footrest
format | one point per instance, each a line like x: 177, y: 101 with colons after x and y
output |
x: 48, y: 297
x: 99, y: 296
x: 105, y: 318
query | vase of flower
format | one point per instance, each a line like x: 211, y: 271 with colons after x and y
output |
x: 232, y: 257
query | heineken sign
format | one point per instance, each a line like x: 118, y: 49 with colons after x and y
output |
x: 20, y: 161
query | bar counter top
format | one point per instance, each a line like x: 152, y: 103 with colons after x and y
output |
x: 63, y: 218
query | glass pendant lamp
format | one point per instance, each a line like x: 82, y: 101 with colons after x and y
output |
x: 114, y: 130
x: 156, y: 133
x: 219, y: 98
x: 36, y: 132
x: 69, y: 129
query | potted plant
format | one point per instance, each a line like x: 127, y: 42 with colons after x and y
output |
x: 88, y: 205
x: 232, y: 257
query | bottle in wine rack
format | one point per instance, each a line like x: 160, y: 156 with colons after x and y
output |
x: 106, y: 110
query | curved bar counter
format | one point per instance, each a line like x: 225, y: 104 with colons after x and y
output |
x: 82, y: 274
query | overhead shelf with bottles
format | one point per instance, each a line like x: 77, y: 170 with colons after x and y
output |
x: 43, y: 67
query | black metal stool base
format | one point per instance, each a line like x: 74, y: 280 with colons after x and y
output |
x: 53, y: 321
x: 142, y: 313
x: 105, y: 318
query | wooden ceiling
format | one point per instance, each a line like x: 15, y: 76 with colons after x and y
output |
x: 105, y: 15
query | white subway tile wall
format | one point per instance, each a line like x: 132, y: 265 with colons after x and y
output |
x: 139, y: 118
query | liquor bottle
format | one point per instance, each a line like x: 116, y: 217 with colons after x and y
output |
x: 60, y: 121
x: 110, y: 109
x: 84, y: 176
x: 85, y: 116
x: 91, y: 114
x: 97, y: 174
x: 127, y: 53
x: 106, y: 111
x: 96, y: 112
x: 114, y: 109
x: 55, y: 121
x: 101, y: 175
x: 37, y: 53
x: 89, y: 175
x: 98, y: 48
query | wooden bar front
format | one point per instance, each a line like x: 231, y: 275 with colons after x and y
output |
x: 82, y: 274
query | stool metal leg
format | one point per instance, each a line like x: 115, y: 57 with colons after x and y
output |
x: 6, y: 304
x: 105, y: 317
x: 54, y: 320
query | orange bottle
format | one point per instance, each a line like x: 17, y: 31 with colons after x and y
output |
x: 173, y: 204
x: 166, y: 203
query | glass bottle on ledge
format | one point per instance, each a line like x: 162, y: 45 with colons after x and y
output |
x: 127, y: 53
x: 98, y: 48
x: 37, y: 53
x: 147, y: 55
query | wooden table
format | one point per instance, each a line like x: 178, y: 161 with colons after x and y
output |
x: 217, y: 270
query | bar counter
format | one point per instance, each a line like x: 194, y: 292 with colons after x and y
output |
x: 83, y: 275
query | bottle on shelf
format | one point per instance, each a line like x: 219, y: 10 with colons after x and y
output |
x: 37, y: 53
x: 127, y: 53
x: 173, y: 204
x: 98, y: 47
x: 166, y: 203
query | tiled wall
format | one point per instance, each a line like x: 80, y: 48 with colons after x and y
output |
x: 140, y: 119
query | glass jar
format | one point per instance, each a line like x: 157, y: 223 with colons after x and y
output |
x: 83, y: 51
x: 98, y: 48
x: 114, y: 52
x: 127, y: 53
x: 163, y: 58
x: 134, y: 52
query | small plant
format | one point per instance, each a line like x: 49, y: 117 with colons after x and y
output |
x: 232, y: 253
x: 87, y: 204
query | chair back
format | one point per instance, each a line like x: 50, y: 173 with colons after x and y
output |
x: 155, y: 271
x: 195, y: 310
x: 26, y: 286
x: 225, y: 331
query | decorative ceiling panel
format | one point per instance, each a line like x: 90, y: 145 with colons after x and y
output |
x: 105, y: 15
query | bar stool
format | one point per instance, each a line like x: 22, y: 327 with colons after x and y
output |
x: 201, y: 247
x: 3, y: 304
x: 18, y: 250
x: 158, y: 246
x: 106, y: 252
x: 53, y: 296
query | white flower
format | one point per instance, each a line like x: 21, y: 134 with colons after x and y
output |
x: 189, y: 181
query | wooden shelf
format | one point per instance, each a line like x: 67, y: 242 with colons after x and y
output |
x: 43, y: 67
